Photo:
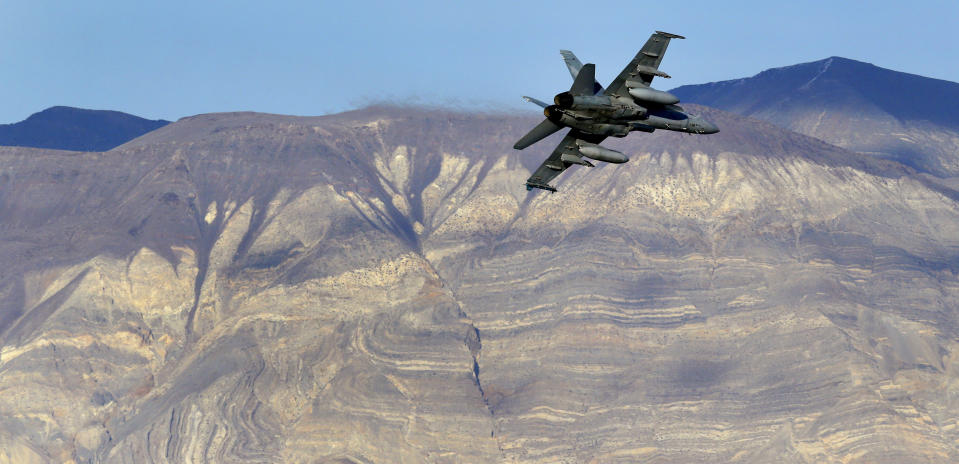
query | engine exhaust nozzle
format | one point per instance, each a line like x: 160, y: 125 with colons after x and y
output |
x: 564, y: 100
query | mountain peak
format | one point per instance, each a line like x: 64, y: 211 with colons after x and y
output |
x: 833, y: 62
x: 850, y: 103
x: 78, y: 129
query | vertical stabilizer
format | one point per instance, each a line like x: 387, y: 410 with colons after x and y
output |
x: 572, y: 63
x: 583, y: 85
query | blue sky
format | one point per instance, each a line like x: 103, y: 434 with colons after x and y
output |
x: 176, y: 58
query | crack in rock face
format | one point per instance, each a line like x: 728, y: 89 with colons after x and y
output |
x: 246, y: 287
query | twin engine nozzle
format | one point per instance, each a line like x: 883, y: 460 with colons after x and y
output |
x: 552, y: 114
x: 564, y: 100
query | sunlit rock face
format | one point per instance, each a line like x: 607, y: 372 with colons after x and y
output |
x: 378, y: 286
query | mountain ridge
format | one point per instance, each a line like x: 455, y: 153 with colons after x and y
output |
x: 856, y: 105
x: 76, y: 129
x: 379, y: 286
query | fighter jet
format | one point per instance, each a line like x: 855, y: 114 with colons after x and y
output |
x: 594, y: 113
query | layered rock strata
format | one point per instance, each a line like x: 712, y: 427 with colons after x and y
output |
x: 378, y: 286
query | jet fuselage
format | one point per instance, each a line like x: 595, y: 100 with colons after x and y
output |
x: 617, y: 116
x: 594, y: 113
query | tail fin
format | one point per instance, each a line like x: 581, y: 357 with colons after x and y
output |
x: 572, y: 63
x: 583, y: 85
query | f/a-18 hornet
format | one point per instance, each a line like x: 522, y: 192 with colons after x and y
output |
x: 594, y: 113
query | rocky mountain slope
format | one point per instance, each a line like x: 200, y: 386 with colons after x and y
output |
x: 911, y: 119
x: 378, y: 286
x: 66, y: 128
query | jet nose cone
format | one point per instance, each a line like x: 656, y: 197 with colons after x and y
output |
x: 709, y: 128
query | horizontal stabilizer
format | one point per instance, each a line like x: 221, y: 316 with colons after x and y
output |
x: 535, y: 101
x: 540, y: 132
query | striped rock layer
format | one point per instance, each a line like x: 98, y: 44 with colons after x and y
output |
x: 378, y: 286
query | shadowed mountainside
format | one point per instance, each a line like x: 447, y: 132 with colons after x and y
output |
x: 911, y: 119
x: 378, y: 286
x: 66, y: 128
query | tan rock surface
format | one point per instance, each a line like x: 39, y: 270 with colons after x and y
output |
x: 377, y: 286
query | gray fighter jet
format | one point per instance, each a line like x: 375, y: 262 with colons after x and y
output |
x: 594, y: 113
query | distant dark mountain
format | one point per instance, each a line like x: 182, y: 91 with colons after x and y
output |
x: 859, y: 106
x: 66, y: 128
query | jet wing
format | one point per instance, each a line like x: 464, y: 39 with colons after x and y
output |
x: 565, y: 155
x: 644, y: 66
